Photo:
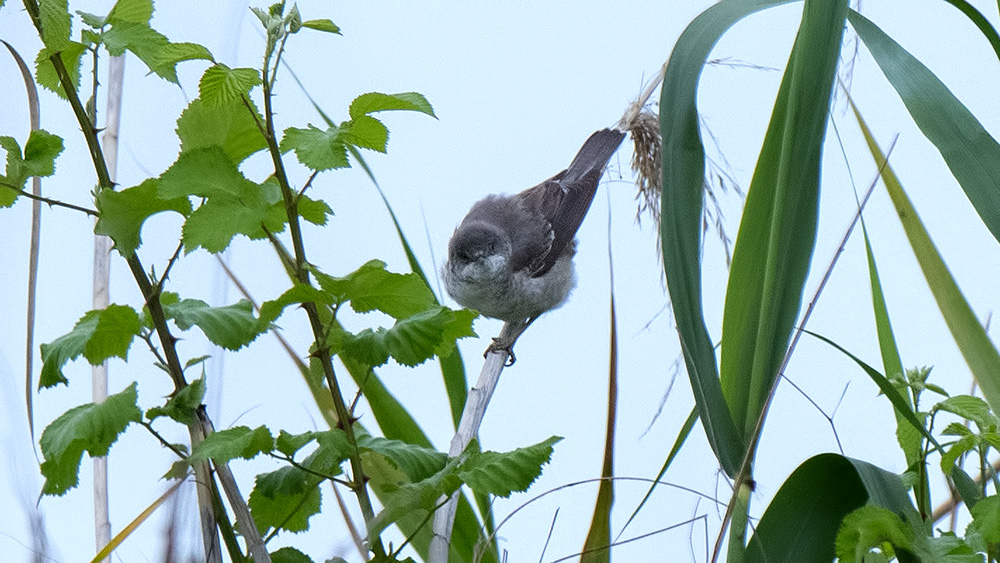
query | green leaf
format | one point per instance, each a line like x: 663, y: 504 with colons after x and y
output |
x: 122, y: 213
x: 98, y: 335
x: 970, y: 408
x: 975, y: 345
x: 777, y: 232
x: 40, y: 153
x: 235, y: 205
x: 972, y: 155
x: 231, y: 326
x: 165, y: 60
x: 500, y: 474
x: 371, y: 287
x: 71, y: 55
x: 90, y: 428
x: 315, y: 211
x: 681, y: 218
x: 285, y: 511
x: 374, y: 102
x: 294, y: 19
x: 322, y: 25
x: 241, y: 441
x: 131, y: 11
x: 986, y: 518
x: 288, y: 444
x: 907, y: 436
x: 93, y: 20
x: 39, y: 157
x: 416, y: 461
x: 232, y: 127
x: 367, y: 132
x: 221, y: 85
x: 804, y: 516
x: 182, y: 406
x: 414, y: 500
x: 867, y: 528
x: 412, y: 340
x: 56, y: 24
x: 316, y: 148
x: 298, y: 293
x: 289, y: 555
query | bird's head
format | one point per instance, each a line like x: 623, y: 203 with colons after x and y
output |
x: 478, y: 250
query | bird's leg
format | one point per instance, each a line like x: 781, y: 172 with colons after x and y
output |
x: 508, y: 336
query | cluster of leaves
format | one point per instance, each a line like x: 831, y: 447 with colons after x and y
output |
x: 218, y: 132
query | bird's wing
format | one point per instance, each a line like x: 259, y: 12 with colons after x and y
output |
x: 563, y: 200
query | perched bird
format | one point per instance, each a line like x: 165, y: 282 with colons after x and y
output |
x: 511, y: 258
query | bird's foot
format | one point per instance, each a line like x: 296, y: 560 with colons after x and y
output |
x: 501, y: 344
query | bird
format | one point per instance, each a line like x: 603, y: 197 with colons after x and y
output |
x: 511, y: 257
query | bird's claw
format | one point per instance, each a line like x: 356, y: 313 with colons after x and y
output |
x: 499, y: 345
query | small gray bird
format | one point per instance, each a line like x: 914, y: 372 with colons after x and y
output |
x: 511, y: 258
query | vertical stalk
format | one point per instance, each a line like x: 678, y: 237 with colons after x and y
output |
x: 322, y: 353
x: 102, y: 295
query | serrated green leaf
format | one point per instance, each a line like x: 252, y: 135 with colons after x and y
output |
x: 289, y: 555
x: 40, y: 153
x: 294, y: 19
x: 373, y: 102
x: 231, y: 326
x: 116, y: 326
x: 316, y: 148
x: 131, y: 11
x: 15, y: 175
x: 221, y: 85
x: 367, y: 132
x: 316, y: 211
x: 122, y: 213
x: 288, y: 444
x: 56, y: 23
x: 986, y: 518
x: 90, y: 428
x: 167, y: 58
x: 232, y: 127
x: 231, y: 443
x: 501, y: 474
x: 93, y: 20
x: 284, y: 512
x: 181, y: 407
x: 299, y: 293
x: 416, y: 461
x: 98, y: 335
x: 949, y: 458
x: 217, y: 221
x: 71, y: 55
x: 412, y: 340
x: 235, y: 205
x: 413, y: 500
x: 322, y: 25
x: 371, y: 287
x: 956, y: 429
x: 868, y: 528
x: 970, y: 408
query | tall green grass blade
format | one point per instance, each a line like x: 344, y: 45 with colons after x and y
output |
x: 979, y: 352
x: 778, y: 230
x: 972, y: 155
x: 681, y: 212
x: 908, y: 437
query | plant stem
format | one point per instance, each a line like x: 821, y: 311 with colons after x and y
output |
x: 301, y: 274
